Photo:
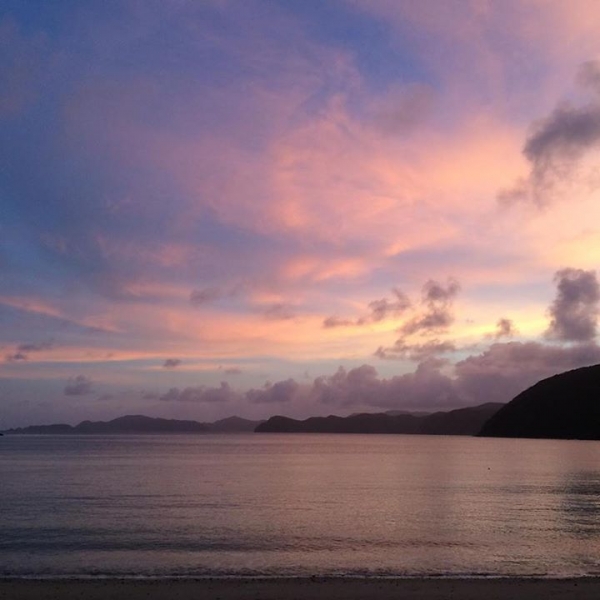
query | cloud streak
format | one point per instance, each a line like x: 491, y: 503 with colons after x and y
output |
x: 22, y: 351
x: 379, y: 310
x: 204, y: 296
x: 416, y: 352
x: 171, y: 363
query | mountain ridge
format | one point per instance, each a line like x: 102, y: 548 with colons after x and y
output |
x: 140, y: 424
x: 460, y: 421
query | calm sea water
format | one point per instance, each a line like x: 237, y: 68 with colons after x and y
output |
x: 298, y: 505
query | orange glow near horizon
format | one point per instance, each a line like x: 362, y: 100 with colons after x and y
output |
x: 258, y: 204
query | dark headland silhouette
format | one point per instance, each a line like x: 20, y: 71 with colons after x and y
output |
x: 462, y: 421
x: 566, y: 406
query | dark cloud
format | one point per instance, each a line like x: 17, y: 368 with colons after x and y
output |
x: 200, y: 394
x: 437, y: 316
x: 504, y: 328
x: 497, y: 374
x: 205, y: 296
x: 433, y: 321
x: 331, y: 322
x: 435, y: 294
x: 426, y: 387
x: 23, y: 351
x: 558, y: 143
x: 78, y: 386
x: 385, y: 308
x: 356, y: 386
x: 171, y: 363
x: 104, y: 397
x: 210, y: 294
x: 277, y: 393
x: 233, y: 371
x: 417, y: 352
x: 505, y: 369
x: 278, y: 312
x: 378, y: 311
x: 562, y: 137
x: 574, y: 311
x: 35, y: 347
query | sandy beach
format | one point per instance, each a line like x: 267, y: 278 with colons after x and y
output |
x: 301, y: 589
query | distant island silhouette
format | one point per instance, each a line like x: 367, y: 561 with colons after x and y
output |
x: 142, y: 424
x: 461, y: 421
x: 565, y: 406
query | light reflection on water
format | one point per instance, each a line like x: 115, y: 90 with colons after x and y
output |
x: 298, y: 505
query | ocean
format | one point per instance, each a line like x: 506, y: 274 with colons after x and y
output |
x: 297, y: 505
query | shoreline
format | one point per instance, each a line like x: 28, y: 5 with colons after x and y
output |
x: 82, y: 578
x: 301, y: 588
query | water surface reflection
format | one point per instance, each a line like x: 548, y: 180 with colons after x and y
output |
x: 298, y: 505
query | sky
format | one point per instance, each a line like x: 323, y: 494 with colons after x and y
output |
x: 297, y: 207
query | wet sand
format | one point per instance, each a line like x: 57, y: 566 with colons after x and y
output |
x: 301, y: 589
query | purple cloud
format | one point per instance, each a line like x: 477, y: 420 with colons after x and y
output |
x: 558, y: 143
x: 205, y: 296
x: 16, y: 357
x: 278, y: 312
x: 417, y: 352
x: 78, y: 386
x: 171, y: 363
x: 200, y: 394
x: 23, y: 351
x: 504, y: 369
x: 426, y: 387
x: 277, y: 393
x: 331, y: 322
x: 385, y: 308
x: 379, y: 310
x: 574, y: 311
x: 438, y: 316
x: 233, y: 371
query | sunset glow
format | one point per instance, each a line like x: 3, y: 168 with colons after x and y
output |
x: 249, y: 202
